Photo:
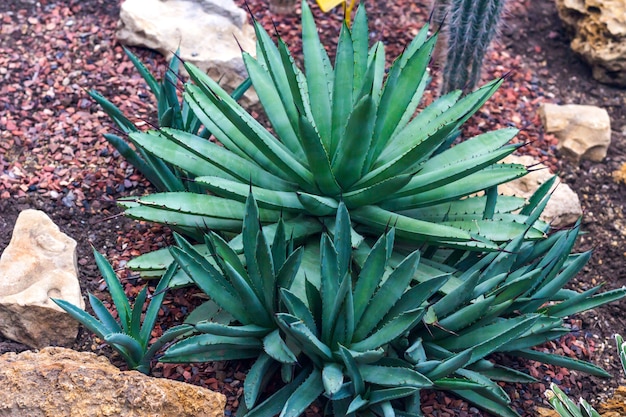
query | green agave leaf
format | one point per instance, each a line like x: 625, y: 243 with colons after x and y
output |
x: 265, y: 264
x: 489, y: 176
x: 370, y: 277
x: 278, y: 109
x: 190, y: 209
x: 397, y: 95
x: 329, y: 286
x: 458, y: 296
x: 563, y: 361
x: 304, y: 395
x: 275, y: 347
x: 583, y: 301
x: 356, y: 404
x: 233, y: 127
x: 275, y: 403
x: 208, y: 347
x: 269, y: 199
x: 145, y: 73
x: 389, y: 394
x: 360, y: 42
x: 342, y: 99
x: 422, y: 80
x: 413, y: 229
x: 466, y: 315
x: 287, y: 274
x: 501, y: 373
x: 129, y: 344
x: 318, y: 205
x: 188, y: 224
x: 352, y: 370
x: 474, y: 204
x: 561, y: 403
x: 386, y: 296
x: 279, y: 65
x: 487, y: 339
x: 107, y: 321
x: 308, y: 341
x: 136, y: 312
x: 256, y: 379
x: 319, y: 76
x: 354, y: 143
x: 389, y: 376
x: 168, y: 336
x: 152, y: 311
x: 332, y: 378
x: 221, y: 329
x: 416, y: 296
x: 120, y: 300
x: 136, y: 159
x: 375, y: 193
x: 486, y: 404
x: 390, y: 331
x: 204, y: 158
x: 113, y: 112
x: 318, y: 158
x: 437, y: 171
x: 211, y: 282
x: 449, y: 366
x: 83, y: 317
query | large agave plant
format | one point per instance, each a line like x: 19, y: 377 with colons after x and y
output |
x: 348, y: 132
x: 365, y: 340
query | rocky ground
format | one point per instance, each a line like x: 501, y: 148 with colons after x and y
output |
x: 53, y: 157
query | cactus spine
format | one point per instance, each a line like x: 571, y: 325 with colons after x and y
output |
x: 471, y: 25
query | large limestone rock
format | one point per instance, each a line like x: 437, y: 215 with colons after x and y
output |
x: 62, y: 382
x: 39, y: 263
x: 209, y: 34
x: 599, y: 29
x: 562, y: 210
x: 584, y: 132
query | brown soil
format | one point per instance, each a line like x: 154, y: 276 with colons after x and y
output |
x: 42, y: 44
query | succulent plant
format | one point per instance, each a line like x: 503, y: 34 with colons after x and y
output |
x: 470, y: 27
x: 130, y: 333
x: 347, y: 133
x: 171, y: 113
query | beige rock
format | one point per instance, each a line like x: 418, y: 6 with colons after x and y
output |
x: 562, y: 210
x: 206, y: 31
x: 39, y: 263
x: 599, y: 35
x: 584, y: 132
x: 615, y: 406
x: 62, y: 382
x: 546, y: 412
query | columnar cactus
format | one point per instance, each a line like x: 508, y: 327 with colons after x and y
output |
x: 471, y: 25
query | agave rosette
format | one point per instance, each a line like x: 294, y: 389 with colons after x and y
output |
x: 346, y: 133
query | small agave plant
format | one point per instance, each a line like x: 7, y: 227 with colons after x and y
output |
x: 348, y: 132
x: 131, y: 332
